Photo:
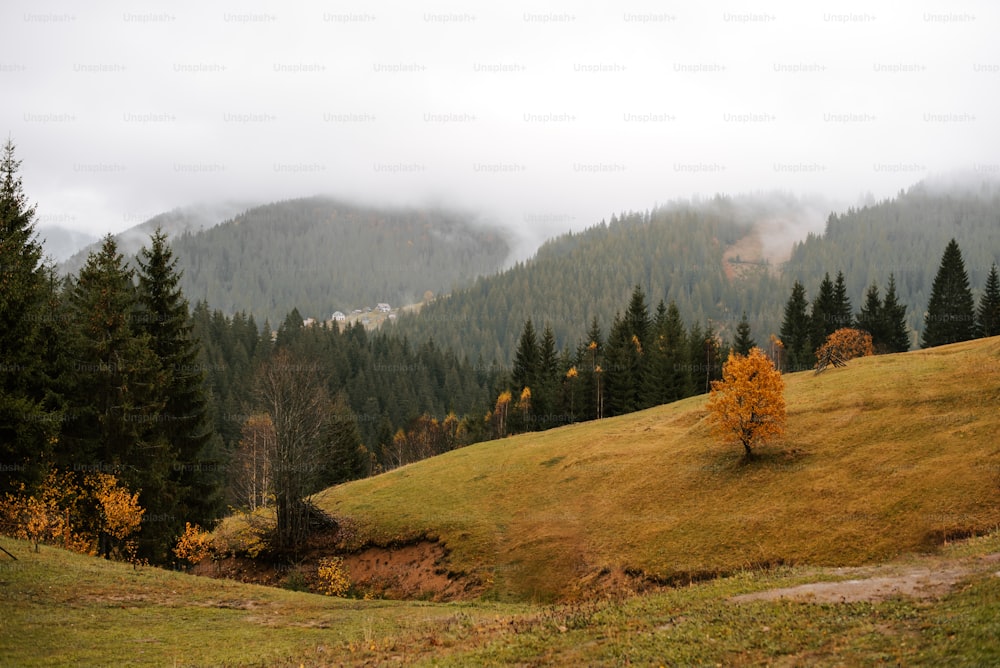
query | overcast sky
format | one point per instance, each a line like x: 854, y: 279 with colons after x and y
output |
x: 540, y: 116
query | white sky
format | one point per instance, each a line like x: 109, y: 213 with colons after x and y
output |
x: 121, y: 110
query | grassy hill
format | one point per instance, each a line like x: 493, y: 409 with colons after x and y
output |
x: 890, y: 455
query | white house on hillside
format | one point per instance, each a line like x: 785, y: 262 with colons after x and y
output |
x: 338, y: 316
x: 383, y: 307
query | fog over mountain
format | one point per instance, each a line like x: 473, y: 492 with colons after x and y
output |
x: 542, y: 119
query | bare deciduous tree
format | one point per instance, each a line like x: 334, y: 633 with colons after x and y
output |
x: 293, y: 394
x: 251, y: 472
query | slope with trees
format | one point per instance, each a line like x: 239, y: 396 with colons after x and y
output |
x: 676, y: 253
x: 321, y: 255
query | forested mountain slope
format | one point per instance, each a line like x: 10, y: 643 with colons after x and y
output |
x: 696, y: 253
x: 680, y: 252
x: 320, y: 255
x: 905, y: 235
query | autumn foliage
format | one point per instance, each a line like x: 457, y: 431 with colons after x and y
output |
x: 846, y: 343
x: 748, y: 404
x: 194, y: 545
x: 333, y: 576
x: 83, y: 513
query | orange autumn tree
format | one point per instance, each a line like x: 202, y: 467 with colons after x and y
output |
x: 194, y: 545
x: 748, y: 403
x: 120, y: 514
x: 41, y: 517
x: 846, y: 344
x: 88, y: 514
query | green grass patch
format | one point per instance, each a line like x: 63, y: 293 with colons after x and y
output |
x: 66, y: 609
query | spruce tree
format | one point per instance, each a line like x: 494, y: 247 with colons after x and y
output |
x: 526, y: 358
x: 544, y: 397
x: 988, y: 314
x: 841, y: 314
x: 743, y: 342
x: 870, y: 318
x: 678, y: 380
x: 897, y: 338
x: 621, y: 369
x: 637, y: 316
x: 667, y: 376
x: 163, y: 315
x: 28, y: 421
x: 824, y: 314
x: 796, y: 331
x: 951, y: 311
x: 117, y: 398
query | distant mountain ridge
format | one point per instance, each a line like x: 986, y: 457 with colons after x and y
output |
x: 321, y: 255
x: 318, y: 255
x: 175, y: 222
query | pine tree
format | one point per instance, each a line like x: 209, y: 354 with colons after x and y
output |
x: 526, y: 358
x: 841, y: 314
x: 117, y: 398
x: 950, y: 314
x: 824, y: 313
x: 621, y: 370
x: 163, y: 315
x: 988, y: 314
x: 796, y: 331
x: 743, y: 341
x: 667, y: 376
x: 678, y: 367
x: 548, y: 382
x: 345, y: 461
x: 637, y: 316
x: 897, y: 338
x: 28, y: 421
x: 870, y: 318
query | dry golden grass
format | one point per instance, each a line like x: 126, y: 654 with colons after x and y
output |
x: 892, y: 454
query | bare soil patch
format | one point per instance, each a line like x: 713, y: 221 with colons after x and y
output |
x: 930, y: 578
x: 412, y: 570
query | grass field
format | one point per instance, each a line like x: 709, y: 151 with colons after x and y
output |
x: 892, y: 458
x: 890, y: 455
x: 62, y: 609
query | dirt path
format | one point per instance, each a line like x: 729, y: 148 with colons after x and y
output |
x: 929, y: 577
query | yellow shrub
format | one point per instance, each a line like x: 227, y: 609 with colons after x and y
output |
x: 194, y: 545
x: 333, y: 577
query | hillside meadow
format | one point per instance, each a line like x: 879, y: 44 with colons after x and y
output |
x: 890, y: 455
